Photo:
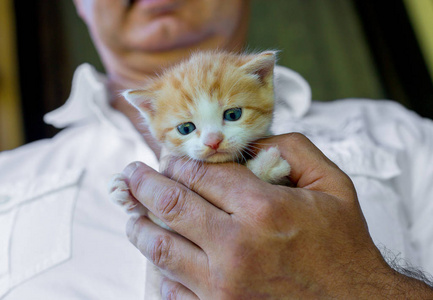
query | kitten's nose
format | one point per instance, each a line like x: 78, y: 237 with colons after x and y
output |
x: 213, y: 140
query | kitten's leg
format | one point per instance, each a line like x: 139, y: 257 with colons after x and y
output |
x: 120, y: 195
x: 269, y: 166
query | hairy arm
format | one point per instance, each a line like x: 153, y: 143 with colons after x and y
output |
x: 241, y: 238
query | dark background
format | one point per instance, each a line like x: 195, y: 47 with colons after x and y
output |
x: 344, y: 48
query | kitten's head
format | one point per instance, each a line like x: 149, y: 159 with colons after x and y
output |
x: 210, y: 107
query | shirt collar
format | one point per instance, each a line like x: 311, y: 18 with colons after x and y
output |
x: 292, y: 92
x: 89, y: 99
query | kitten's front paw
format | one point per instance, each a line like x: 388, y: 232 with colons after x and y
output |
x: 269, y: 166
x: 119, y: 193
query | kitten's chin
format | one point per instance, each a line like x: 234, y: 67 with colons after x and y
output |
x: 219, y: 157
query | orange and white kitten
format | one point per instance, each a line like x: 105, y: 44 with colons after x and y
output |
x: 210, y: 108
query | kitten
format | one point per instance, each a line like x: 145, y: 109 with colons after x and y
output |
x: 210, y: 108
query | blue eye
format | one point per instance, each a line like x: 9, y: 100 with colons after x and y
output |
x: 186, y: 128
x: 233, y: 114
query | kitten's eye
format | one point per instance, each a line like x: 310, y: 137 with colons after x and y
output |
x: 233, y: 114
x: 186, y: 128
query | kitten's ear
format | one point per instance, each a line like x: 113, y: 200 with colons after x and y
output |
x: 141, y: 100
x: 261, y: 64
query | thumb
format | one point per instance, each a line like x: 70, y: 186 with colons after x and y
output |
x: 311, y: 169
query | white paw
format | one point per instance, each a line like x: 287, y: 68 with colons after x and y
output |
x: 269, y: 166
x: 119, y: 193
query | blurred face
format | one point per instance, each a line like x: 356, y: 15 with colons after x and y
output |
x: 152, y: 33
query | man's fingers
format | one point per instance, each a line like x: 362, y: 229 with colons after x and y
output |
x: 311, y: 169
x: 211, y: 181
x: 176, y: 257
x: 174, y: 290
x: 180, y: 208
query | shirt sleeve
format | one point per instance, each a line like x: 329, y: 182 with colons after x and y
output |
x: 411, y: 136
x: 421, y: 186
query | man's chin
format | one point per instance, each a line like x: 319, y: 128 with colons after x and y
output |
x: 167, y: 34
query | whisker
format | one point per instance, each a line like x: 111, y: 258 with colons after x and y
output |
x: 238, y: 156
x: 242, y: 156
x: 181, y: 169
x: 182, y: 166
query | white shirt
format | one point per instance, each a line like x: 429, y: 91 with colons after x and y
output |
x: 61, y: 238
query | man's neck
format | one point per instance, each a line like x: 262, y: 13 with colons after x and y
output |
x: 120, y: 104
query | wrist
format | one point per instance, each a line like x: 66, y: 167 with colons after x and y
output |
x: 409, y: 283
x: 380, y: 280
x: 395, y: 282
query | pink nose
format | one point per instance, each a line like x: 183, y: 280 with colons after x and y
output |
x: 213, y: 140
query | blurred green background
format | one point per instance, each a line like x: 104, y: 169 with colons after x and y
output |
x: 322, y: 40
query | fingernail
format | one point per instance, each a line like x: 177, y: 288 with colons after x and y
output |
x: 130, y: 169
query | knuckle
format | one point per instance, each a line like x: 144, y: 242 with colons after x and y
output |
x: 266, y: 214
x: 170, y: 203
x: 171, y: 291
x: 297, y: 139
x: 194, y: 174
x: 266, y: 210
x: 160, y: 251
x: 264, y: 206
x: 191, y: 172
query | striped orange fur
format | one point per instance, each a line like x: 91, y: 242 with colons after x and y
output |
x: 201, y: 91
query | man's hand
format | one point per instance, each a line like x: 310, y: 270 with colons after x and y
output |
x: 241, y: 238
